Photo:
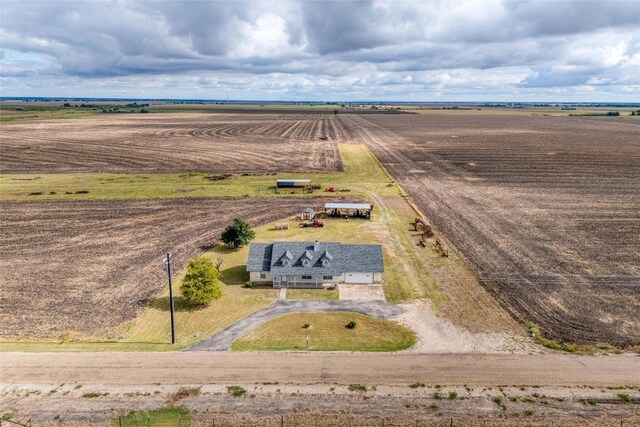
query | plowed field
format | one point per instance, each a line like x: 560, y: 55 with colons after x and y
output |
x: 181, y: 142
x: 85, y: 267
x: 545, y: 209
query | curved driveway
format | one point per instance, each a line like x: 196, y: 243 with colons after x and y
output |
x: 222, y: 340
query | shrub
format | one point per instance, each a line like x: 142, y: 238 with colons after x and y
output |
x: 437, y: 395
x: 528, y: 413
x: 625, y: 398
x: 236, y: 391
x: 358, y: 387
x: 351, y: 325
x: 417, y: 385
x: 306, y: 326
x: 93, y: 394
x: 201, y: 284
x: 239, y: 233
x: 7, y: 416
x: 184, y: 392
x: 453, y: 395
x: 535, y: 333
x: 248, y: 284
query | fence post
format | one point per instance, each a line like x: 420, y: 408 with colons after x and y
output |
x: 148, y: 421
x: 281, y: 420
x: 60, y: 421
x: 451, y: 423
x: 120, y: 420
x: 213, y: 422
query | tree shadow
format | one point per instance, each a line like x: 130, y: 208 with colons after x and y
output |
x: 179, y: 303
x: 235, y: 275
x: 218, y: 248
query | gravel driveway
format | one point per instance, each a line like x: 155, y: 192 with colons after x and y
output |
x: 222, y: 341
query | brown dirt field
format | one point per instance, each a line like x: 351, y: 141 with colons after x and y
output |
x: 87, y: 267
x: 172, y: 142
x: 545, y: 210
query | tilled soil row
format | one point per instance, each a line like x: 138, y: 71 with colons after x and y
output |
x: 545, y: 210
x: 172, y: 143
x: 84, y: 267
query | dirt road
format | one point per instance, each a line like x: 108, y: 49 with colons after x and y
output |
x: 306, y: 368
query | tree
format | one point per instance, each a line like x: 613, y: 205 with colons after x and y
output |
x: 201, y: 285
x: 239, y: 233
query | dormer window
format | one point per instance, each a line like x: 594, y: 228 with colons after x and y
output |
x: 286, y: 258
x: 326, y: 259
x: 306, y: 258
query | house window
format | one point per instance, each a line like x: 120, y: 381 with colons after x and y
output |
x: 263, y: 276
x: 306, y: 277
x: 327, y: 277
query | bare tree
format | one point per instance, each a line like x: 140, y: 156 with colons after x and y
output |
x: 218, y: 262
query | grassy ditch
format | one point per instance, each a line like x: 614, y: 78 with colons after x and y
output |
x: 172, y: 415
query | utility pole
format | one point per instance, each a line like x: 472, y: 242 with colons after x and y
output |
x: 167, y: 262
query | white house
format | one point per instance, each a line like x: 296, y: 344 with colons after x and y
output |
x: 314, y: 264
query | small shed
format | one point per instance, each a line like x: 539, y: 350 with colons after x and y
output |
x: 292, y: 183
x: 308, y: 214
x: 348, y: 210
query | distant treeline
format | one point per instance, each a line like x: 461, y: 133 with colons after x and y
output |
x: 112, y: 108
x: 607, y: 114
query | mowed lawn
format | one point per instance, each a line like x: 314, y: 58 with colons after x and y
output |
x: 313, y: 294
x: 327, y: 332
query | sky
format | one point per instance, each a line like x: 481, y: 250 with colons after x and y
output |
x: 554, y: 51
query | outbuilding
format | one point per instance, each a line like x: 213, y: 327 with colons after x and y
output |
x: 292, y: 183
x: 348, y: 210
x: 308, y: 214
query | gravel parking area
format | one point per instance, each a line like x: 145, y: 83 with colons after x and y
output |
x: 361, y: 292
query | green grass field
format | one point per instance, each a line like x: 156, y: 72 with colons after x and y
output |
x: 361, y: 173
x: 313, y: 294
x: 327, y: 332
x: 8, y: 113
x: 169, y: 416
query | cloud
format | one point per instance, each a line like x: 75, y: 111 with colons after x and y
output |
x: 372, y: 50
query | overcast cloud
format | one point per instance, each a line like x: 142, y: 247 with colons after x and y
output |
x: 381, y: 50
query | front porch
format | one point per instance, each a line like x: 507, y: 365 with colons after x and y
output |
x: 308, y: 282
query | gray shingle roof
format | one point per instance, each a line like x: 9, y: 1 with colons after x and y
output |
x: 343, y: 258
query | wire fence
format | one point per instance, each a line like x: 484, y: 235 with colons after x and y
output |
x: 317, y: 421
